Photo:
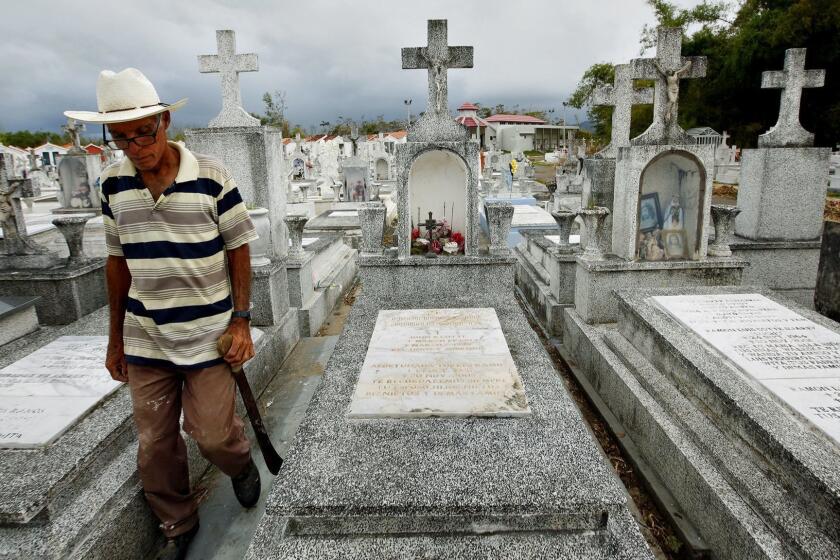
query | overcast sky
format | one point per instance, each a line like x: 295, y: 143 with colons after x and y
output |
x: 331, y: 58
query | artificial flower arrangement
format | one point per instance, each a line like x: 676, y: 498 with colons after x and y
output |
x: 442, y: 241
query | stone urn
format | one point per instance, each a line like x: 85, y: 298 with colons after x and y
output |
x: 499, y: 217
x: 565, y: 219
x: 723, y: 217
x: 72, y: 227
x: 259, y: 247
x: 372, y: 221
x: 593, y: 221
x: 295, y: 224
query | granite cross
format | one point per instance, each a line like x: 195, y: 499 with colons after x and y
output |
x: 621, y: 96
x: 787, y: 131
x: 437, y: 58
x: 667, y: 69
x: 229, y: 65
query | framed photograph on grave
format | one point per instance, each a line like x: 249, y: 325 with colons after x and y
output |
x: 650, y: 213
x: 675, y: 244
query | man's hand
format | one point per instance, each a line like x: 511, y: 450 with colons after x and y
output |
x: 242, y: 347
x: 115, y: 360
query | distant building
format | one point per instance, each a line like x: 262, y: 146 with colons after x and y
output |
x: 50, y: 153
x: 705, y: 135
x: 521, y: 133
x: 468, y: 116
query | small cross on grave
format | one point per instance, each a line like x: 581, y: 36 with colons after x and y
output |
x: 74, y: 130
x: 15, y: 239
x: 788, y: 131
x: 430, y: 225
x: 621, y: 96
x: 437, y: 58
x: 667, y: 69
x: 229, y: 65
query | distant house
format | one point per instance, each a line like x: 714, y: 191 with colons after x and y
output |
x: 705, y: 135
x: 468, y: 116
x: 515, y: 133
x: 50, y: 153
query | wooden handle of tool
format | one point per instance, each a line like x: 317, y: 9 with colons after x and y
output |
x: 223, y: 346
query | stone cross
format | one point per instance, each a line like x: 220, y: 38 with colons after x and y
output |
x: 621, y: 96
x: 229, y: 65
x: 667, y: 69
x: 787, y: 131
x: 723, y: 139
x: 438, y: 57
x: 74, y: 130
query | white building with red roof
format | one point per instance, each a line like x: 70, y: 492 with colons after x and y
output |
x: 514, y: 133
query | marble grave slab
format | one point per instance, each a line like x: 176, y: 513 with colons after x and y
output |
x: 438, y: 362
x: 344, y: 214
x: 46, y: 392
x: 794, y: 358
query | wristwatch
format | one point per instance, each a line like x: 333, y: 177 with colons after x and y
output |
x: 242, y: 314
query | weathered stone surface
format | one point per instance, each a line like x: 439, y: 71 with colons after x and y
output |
x: 723, y: 217
x: 295, y: 225
x: 73, y: 230
x: 782, y: 193
x: 827, y: 297
x: 596, y: 240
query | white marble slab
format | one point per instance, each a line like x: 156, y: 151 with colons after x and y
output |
x: 46, y: 392
x: 306, y: 241
x: 796, y: 359
x: 524, y: 215
x: 816, y: 400
x: 344, y: 213
x: 438, y: 362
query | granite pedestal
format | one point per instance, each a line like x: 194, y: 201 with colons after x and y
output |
x: 527, y: 487
x: 782, y: 193
x: 596, y: 281
x: 827, y: 297
x: 67, y: 293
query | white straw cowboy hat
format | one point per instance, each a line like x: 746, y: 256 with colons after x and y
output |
x: 122, y: 97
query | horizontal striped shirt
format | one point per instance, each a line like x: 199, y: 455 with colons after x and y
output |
x: 179, y: 302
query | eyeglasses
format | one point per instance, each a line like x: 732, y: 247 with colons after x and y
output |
x: 123, y: 143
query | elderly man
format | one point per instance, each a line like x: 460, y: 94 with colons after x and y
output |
x: 178, y: 275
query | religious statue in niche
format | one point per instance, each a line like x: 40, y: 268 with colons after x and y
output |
x: 672, y: 79
x: 297, y: 169
x: 439, y: 239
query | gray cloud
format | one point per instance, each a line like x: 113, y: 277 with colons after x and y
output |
x: 332, y: 58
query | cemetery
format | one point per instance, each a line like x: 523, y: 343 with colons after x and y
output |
x: 465, y: 332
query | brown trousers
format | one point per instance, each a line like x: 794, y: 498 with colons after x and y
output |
x: 208, y: 400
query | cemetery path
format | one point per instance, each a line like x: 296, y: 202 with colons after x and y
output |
x: 227, y: 528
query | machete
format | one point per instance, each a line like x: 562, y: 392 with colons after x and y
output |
x: 272, y: 459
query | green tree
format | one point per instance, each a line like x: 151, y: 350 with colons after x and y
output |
x: 275, y: 112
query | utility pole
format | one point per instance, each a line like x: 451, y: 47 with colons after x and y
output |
x: 408, y: 111
x: 565, y: 142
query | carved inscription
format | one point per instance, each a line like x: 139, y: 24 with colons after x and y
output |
x: 438, y: 362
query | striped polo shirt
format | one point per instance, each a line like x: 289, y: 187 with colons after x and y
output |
x: 179, y: 302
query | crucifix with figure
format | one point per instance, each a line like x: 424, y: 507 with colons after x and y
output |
x: 229, y: 65
x: 15, y: 240
x: 74, y: 131
x: 621, y: 96
x: 438, y: 57
x: 666, y: 70
x: 788, y: 131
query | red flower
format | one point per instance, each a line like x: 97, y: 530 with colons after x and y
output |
x: 458, y: 238
x: 415, y: 233
x: 436, y: 247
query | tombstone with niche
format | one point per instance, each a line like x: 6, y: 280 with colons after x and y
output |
x: 423, y: 364
x: 662, y: 193
x: 78, y: 175
x: 254, y: 156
